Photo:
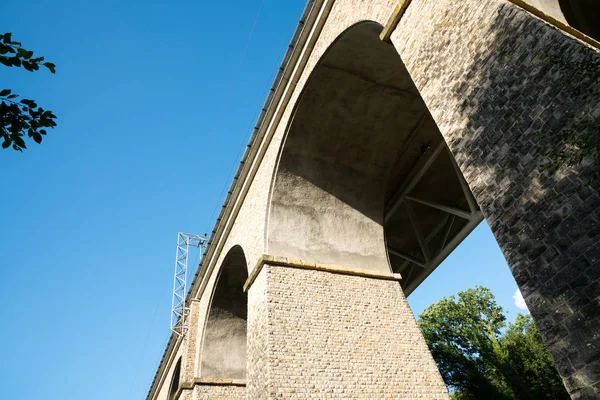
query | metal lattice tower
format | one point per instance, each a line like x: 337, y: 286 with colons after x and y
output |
x: 179, y: 310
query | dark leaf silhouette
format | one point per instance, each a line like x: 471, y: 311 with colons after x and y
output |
x: 20, y: 118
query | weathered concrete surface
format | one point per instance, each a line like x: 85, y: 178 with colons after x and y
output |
x: 359, y: 133
x: 353, y: 119
x: 493, y: 78
x: 550, y: 7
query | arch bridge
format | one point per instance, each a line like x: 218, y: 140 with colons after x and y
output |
x: 391, y: 131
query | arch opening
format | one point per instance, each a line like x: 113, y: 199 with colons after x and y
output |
x: 583, y: 15
x: 365, y: 179
x: 224, y: 344
x: 174, y: 386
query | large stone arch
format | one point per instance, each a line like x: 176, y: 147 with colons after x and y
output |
x: 223, y: 354
x: 364, y: 178
x: 328, y: 194
x: 326, y: 218
x: 174, y: 385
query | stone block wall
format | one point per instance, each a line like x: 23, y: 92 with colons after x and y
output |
x: 316, y: 334
x: 191, y: 343
x: 219, y: 392
x: 258, y: 372
x: 501, y: 85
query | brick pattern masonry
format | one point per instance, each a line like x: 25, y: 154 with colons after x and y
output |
x: 219, y: 392
x: 332, y: 336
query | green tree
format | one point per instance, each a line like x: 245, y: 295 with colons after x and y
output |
x: 529, y: 368
x: 463, y: 335
x: 478, y: 361
x: 21, y: 117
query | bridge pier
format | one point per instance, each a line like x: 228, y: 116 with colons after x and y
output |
x: 331, y: 332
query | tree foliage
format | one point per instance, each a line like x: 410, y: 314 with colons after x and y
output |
x: 480, y: 356
x: 21, y: 117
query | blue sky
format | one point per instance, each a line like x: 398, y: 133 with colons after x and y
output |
x: 154, y: 103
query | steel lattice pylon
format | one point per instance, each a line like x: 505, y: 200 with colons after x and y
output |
x: 179, y: 310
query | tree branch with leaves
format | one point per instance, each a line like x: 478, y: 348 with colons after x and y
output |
x: 21, y: 118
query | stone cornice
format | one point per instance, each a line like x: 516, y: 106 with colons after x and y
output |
x: 331, y: 268
x: 209, y: 382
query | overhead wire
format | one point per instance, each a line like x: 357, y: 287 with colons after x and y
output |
x: 261, y: 110
x: 244, y: 143
x: 227, y: 99
x: 159, y: 300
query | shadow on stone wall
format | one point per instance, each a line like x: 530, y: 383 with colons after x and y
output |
x: 523, y: 98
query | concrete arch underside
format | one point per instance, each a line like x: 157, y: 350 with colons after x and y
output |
x: 480, y: 84
x: 364, y: 178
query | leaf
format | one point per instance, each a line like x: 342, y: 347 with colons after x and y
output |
x: 12, y: 96
x: 7, y: 37
x: 50, y: 66
x: 19, y: 141
x: 26, y: 54
x: 37, y: 137
x: 5, y: 92
x: 6, y: 143
x: 29, y: 103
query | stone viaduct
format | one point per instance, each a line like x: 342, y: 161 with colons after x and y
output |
x: 392, y: 129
